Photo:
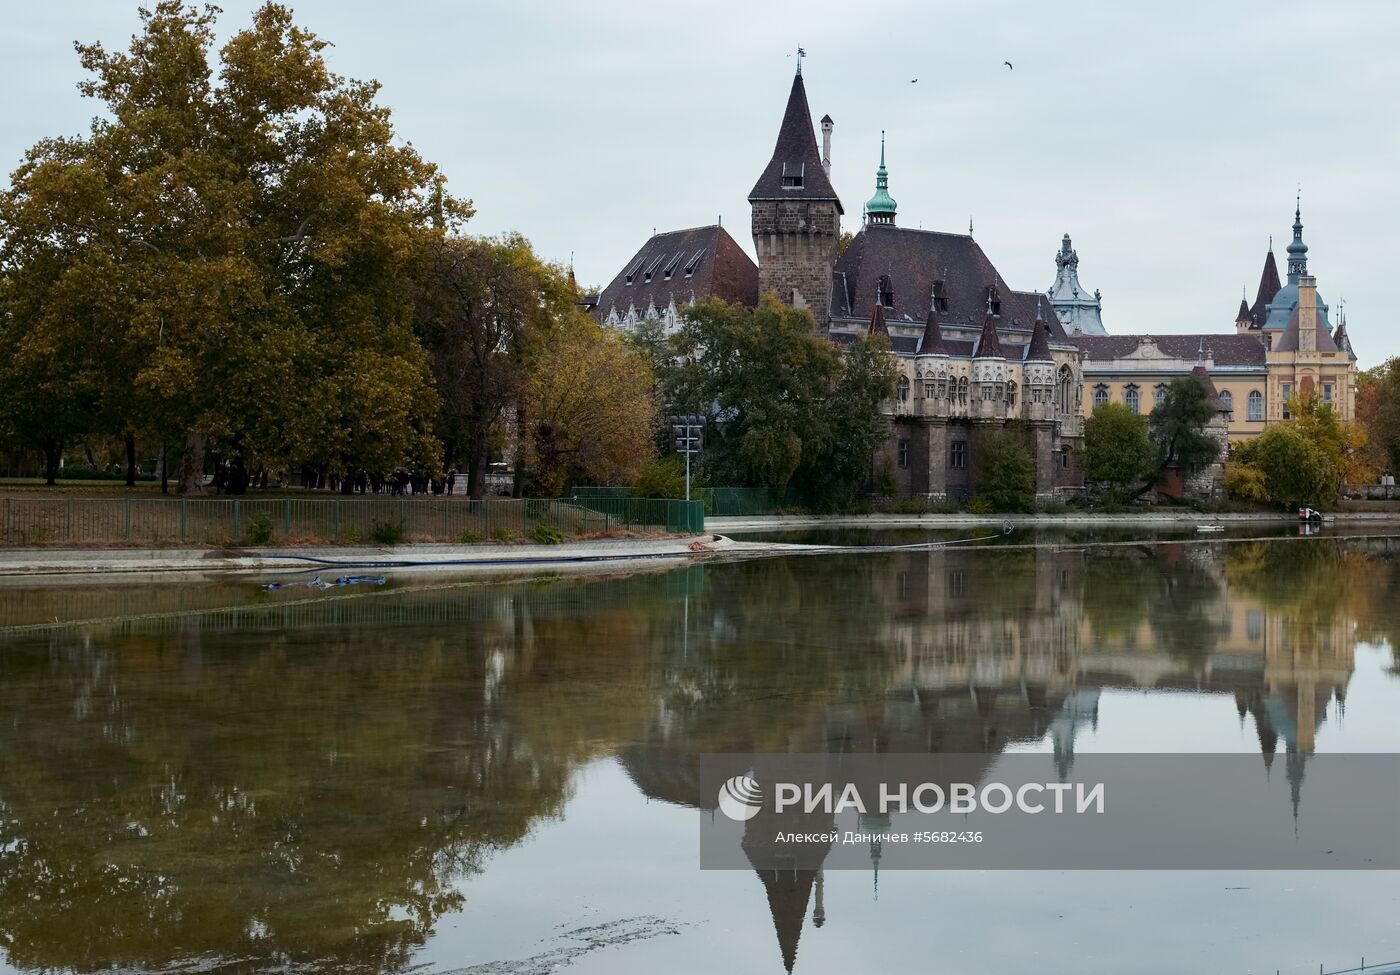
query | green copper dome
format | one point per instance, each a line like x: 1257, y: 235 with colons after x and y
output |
x: 881, y: 207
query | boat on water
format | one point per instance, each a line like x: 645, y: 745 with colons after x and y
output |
x: 1210, y: 528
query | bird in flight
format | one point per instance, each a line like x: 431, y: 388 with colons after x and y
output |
x: 913, y: 81
x: 1008, y: 64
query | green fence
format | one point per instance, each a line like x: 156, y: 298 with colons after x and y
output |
x: 236, y: 521
x: 721, y: 502
x: 623, y: 511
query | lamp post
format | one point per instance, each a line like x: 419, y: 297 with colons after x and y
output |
x: 688, y: 435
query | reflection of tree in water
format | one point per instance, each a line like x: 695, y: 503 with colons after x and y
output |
x: 1185, y: 612
x: 273, y: 797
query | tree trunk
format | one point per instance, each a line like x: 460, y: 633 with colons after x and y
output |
x: 130, y: 460
x: 517, y: 488
x: 164, y: 469
x: 53, y: 456
x: 478, y: 461
x: 191, y: 476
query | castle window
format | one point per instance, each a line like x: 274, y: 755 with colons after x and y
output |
x: 957, y: 455
x: 1287, y: 395
x: 1066, y: 390
x: 792, y: 177
x: 1064, y: 458
x: 1132, y: 398
x: 1227, y: 400
x: 1159, y: 394
x: 904, y: 453
x: 940, y: 296
x: 1011, y: 394
x: 902, y: 389
x: 1100, y: 395
x: 962, y: 389
x: 886, y: 292
x: 1326, y: 392
x: 1255, y: 405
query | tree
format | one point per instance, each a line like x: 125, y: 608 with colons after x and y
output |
x: 1117, y: 450
x: 1176, y: 428
x: 1378, y: 413
x: 1292, y: 468
x: 1342, y: 442
x: 1005, y: 471
x: 482, y: 305
x: 591, y: 409
x: 234, y: 244
x: 784, y: 400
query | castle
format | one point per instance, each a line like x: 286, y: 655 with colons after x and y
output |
x: 973, y: 354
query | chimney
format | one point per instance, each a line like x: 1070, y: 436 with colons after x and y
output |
x: 1307, y: 313
x: 826, y: 144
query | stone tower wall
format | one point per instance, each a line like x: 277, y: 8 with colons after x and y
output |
x: 796, y: 246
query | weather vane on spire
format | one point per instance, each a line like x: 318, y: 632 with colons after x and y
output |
x: 801, y: 53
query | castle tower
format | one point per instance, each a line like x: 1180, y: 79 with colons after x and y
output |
x: 797, y: 215
x: 1078, y: 312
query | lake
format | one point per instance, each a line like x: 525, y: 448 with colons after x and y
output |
x: 463, y: 775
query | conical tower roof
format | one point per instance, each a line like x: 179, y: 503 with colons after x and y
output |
x: 1269, y: 284
x: 1039, y: 350
x: 932, y: 341
x: 881, y: 207
x: 877, y: 321
x: 1243, y: 314
x: 796, y: 158
x: 989, y: 343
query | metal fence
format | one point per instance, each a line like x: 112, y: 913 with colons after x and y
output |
x: 720, y: 502
x: 238, y: 521
x: 623, y: 511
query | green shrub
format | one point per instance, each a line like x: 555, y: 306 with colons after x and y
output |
x: 387, y: 532
x: 665, y: 478
x: 544, y: 534
x: 469, y: 537
x: 260, y: 528
x: 980, y: 505
x: 502, y: 535
x: 1005, y: 473
x: 351, y: 535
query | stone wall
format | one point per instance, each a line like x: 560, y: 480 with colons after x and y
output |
x: 796, y: 246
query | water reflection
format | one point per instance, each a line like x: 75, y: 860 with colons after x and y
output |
x: 313, y: 784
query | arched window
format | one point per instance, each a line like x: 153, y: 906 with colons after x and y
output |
x: 1255, y: 405
x: 962, y: 389
x: 1011, y: 393
x: 1227, y: 400
x: 902, y: 388
x: 1100, y: 395
x: 1131, y: 397
x: 1066, y: 390
x: 1159, y: 394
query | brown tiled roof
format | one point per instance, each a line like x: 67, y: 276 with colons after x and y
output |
x: 1224, y: 349
x: 717, y: 265
x: 914, y: 260
x: 1288, y: 341
x: 795, y: 154
x: 877, y: 321
x: 1269, y: 285
x: 932, y: 341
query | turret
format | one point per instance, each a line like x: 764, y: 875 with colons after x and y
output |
x: 827, y: 125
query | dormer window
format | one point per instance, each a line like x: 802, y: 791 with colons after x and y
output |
x: 995, y: 306
x: 671, y: 267
x: 632, y: 272
x: 651, y: 270
x: 886, y: 291
x: 694, y: 262
x: 792, y: 175
x: 940, y: 296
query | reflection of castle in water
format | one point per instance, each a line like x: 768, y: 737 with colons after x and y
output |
x: 980, y: 651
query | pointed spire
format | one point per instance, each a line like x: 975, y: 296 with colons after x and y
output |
x: 1243, y: 317
x: 1340, y: 337
x: 795, y: 172
x: 881, y: 207
x: 1269, y: 285
x: 989, y: 343
x: 1039, y: 350
x: 877, y: 321
x: 1297, y: 250
x: 932, y: 341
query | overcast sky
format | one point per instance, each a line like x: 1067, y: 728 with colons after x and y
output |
x: 1167, y: 138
